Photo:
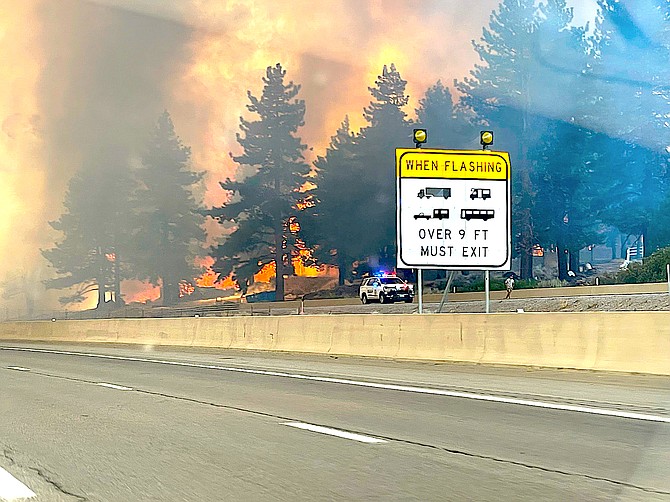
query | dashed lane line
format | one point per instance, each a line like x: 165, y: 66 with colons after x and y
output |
x: 113, y: 386
x: 591, y: 410
x: 335, y: 432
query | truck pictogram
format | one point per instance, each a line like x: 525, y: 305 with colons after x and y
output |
x: 434, y: 192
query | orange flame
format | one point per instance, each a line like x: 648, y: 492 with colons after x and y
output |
x: 210, y: 279
x: 135, y: 291
x: 266, y: 274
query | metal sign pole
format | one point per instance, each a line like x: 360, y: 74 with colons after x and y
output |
x: 667, y: 268
x: 446, y: 291
x: 487, y: 290
x: 419, y: 280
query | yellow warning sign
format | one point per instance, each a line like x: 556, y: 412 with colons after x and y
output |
x: 452, y: 164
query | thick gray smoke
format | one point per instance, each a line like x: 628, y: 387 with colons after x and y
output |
x: 106, y: 77
x: 107, y: 73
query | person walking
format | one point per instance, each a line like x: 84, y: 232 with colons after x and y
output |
x: 509, y: 286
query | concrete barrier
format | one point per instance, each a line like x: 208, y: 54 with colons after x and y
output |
x: 612, y: 341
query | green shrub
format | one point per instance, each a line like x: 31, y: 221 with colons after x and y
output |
x: 525, y: 284
x: 499, y: 285
x: 478, y: 285
x: 608, y: 279
x: 652, y: 269
x: 551, y: 283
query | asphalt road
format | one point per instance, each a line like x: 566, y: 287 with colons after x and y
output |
x: 142, y: 424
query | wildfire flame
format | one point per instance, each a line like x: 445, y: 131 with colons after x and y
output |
x: 210, y: 279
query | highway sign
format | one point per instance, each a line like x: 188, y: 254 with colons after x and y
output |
x: 453, y: 209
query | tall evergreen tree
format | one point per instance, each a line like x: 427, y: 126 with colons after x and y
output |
x: 500, y: 92
x: 633, y: 73
x: 660, y: 35
x: 353, y: 218
x: 331, y: 224
x: 169, y: 218
x: 388, y: 128
x: 264, y: 205
x: 446, y: 124
x: 564, y: 161
x: 92, y: 255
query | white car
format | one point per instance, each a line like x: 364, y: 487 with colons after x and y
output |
x: 385, y: 290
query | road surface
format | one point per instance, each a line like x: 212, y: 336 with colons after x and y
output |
x: 101, y: 423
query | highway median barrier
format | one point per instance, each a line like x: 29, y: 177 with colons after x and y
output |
x: 637, y: 342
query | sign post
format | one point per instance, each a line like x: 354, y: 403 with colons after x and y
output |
x: 419, y: 284
x: 453, y: 210
x: 487, y: 290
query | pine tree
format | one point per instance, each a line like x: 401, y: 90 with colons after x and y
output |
x: 447, y: 125
x: 353, y: 218
x: 91, y: 256
x: 264, y: 205
x: 331, y: 224
x: 169, y: 218
x: 633, y: 73
x: 660, y: 217
x: 564, y: 162
x: 500, y: 92
x: 388, y: 128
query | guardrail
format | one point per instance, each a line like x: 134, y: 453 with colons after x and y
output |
x: 217, y: 310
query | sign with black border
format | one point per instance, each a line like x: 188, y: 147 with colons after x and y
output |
x: 453, y: 209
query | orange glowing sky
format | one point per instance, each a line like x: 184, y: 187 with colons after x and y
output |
x: 56, y: 94
x: 22, y: 184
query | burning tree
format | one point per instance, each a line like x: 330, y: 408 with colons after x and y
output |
x: 354, y: 217
x: 264, y: 204
x: 168, y: 233
x: 95, y: 232
x: 331, y: 223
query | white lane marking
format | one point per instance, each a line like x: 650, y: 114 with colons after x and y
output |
x: 18, y: 368
x: 113, y: 386
x: 335, y: 432
x: 357, y: 383
x: 12, y: 489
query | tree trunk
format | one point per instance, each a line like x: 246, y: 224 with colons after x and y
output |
x: 342, y: 267
x: 169, y: 290
x: 117, y: 279
x: 279, y: 262
x: 624, y: 245
x: 102, y: 291
x: 102, y: 284
x: 279, y: 244
x: 166, y: 282
x: 562, y: 263
x: 574, y: 260
x: 164, y: 291
x: 526, y: 264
